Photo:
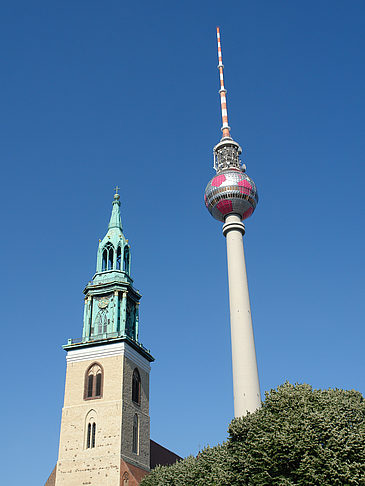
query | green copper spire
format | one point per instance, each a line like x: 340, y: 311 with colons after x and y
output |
x: 113, y: 261
x: 115, y: 219
x: 111, y: 311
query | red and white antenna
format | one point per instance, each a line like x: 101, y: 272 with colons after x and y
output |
x: 225, y: 127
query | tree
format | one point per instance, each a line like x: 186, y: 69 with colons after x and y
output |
x: 209, y: 467
x: 300, y: 437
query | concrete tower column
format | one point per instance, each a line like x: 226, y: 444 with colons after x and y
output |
x: 246, y: 386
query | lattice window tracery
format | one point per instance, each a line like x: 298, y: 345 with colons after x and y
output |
x: 101, y: 322
x: 94, y: 382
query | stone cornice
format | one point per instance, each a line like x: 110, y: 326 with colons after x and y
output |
x: 107, y: 350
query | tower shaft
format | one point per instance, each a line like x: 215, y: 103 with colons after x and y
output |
x: 246, y: 386
x: 231, y: 196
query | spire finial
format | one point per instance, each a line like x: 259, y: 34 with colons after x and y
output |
x: 225, y: 127
x: 115, y: 219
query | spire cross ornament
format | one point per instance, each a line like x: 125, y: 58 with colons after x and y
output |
x: 117, y: 189
x: 225, y: 127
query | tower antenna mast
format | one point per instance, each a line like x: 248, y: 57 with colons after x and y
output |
x: 225, y: 127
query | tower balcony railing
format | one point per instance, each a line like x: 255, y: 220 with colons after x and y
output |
x: 104, y: 336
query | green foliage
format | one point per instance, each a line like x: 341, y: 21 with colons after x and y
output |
x: 209, y: 467
x: 300, y: 437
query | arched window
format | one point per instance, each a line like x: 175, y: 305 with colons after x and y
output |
x: 135, y: 434
x: 126, y: 260
x: 93, y: 382
x: 91, y: 434
x: 110, y: 249
x: 108, y: 258
x: 105, y: 260
x: 90, y: 430
x: 101, y: 322
x: 136, y: 387
x: 119, y: 257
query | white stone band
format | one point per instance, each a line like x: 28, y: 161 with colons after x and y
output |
x: 107, y: 350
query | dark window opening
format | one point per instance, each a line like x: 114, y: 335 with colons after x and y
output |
x: 93, y: 435
x: 108, y: 258
x: 135, y: 435
x: 98, y: 385
x: 88, y: 441
x: 105, y: 258
x: 119, y: 257
x: 110, y: 249
x: 110, y: 261
x: 90, y: 382
x: 126, y: 260
x: 136, y: 387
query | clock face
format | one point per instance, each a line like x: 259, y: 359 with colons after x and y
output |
x: 103, y: 303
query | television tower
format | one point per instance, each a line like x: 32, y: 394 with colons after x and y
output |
x: 231, y: 196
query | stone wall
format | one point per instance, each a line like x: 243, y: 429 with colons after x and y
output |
x: 78, y: 465
x: 113, y: 414
x: 142, y: 459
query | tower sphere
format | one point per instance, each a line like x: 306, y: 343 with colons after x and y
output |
x: 231, y: 191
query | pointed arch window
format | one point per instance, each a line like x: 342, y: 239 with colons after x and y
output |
x: 101, y: 322
x: 135, y: 438
x: 93, y: 382
x: 105, y: 260
x: 136, y: 387
x: 90, y: 430
x: 119, y: 258
x: 126, y: 260
x: 108, y: 258
x: 91, y: 434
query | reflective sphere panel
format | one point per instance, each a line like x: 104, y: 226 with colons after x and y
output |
x: 231, y: 191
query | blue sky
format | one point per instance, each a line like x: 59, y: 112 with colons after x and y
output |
x: 95, y: 94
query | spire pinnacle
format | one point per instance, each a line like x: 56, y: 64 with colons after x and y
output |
x: 225, y: 127
x: 115, y: 219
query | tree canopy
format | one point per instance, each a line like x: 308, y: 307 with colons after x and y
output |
x: 300, y: 437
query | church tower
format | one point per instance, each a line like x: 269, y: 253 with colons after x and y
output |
x: 105, y: 426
